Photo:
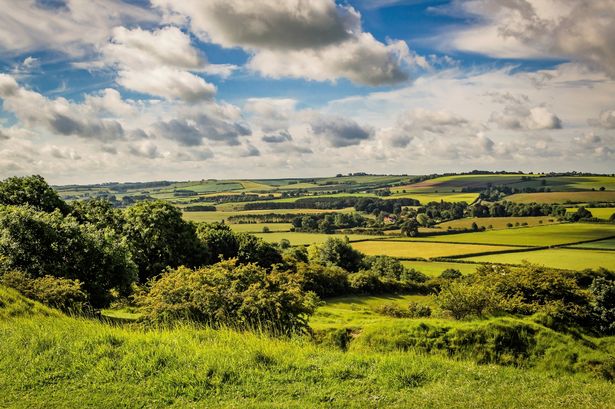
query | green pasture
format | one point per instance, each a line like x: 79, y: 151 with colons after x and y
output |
x: 304, y: 239
x: 258, y: 227
x: 599, y: 212
x: 548, y: 235
x: 563, y: 197
x: 608, y: 244
x: 426, y: 250
x: 564, y: 258
x: 496, y: 222
x: 454, y: 183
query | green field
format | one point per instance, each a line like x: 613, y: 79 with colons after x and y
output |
x: 359, y: 311
x: 258, y: 227
x: 406, y: 249
x: 563, y: 197
x: 598, y: 212
x: 569, y: 259
x: 303, y: 239
x: 531, y: 236
x: 435, y: 268
x: 496, y: 222
x: 608, y: 244
x: 219, y: 216
x: 425, y: 198
x: 455, y: 182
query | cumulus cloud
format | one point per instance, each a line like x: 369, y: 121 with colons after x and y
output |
x: 271, y: 114
x: 282, y: 136
x: 158, y: 63
x: 145, y: 149
x: 581, y: 30
x: 519, y: 114
x: 606, y: 120
x: 72, y: 26
x: 340, y: 132
x: 58, y: 116
x: 318, y: 40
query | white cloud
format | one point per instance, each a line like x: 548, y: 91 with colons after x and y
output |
x: 318, y: 40
x: 606, y: 120
x: 340, y: 132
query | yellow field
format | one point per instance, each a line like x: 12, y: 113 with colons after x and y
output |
x: 435, y: 268
x: 563, y: 197
x: 572, y: 259
x: 405, y: 249
x: 303, y: 239
x: 599, y: 212
x: 258, y: 227
x: 496, y: 222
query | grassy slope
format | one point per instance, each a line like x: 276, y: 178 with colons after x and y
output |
x: 49, y: 362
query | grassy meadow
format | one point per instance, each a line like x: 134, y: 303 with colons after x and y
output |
x: 563, y: 197
x: 304, y: 239
x: 564, y: 258
x: 426, y: 250
x: 497, y: 222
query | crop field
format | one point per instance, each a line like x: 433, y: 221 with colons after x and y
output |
x: 406, y: 249
x: 563, y: 197
x: 219, y: 216
x: 598, y: 212
x: 435, y: 268
x: 550, y: 235
x: 497, y: 222
x: 564, y: 258
x: 357, y: 311
x: 425, y: 198
x: 456, y: 182
x: 304, y: 239
x: 258, y: 227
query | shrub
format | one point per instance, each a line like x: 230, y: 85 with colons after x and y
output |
x: 228, y: 294
x: 603, y: 304
x: 365, y: 282
x: 391, y: 310
x: 418, y: 310
x: 325, y: 281
x: 464, y: 299
x: 60, y: 293
x: 336, y: 252
x: 451, y: 274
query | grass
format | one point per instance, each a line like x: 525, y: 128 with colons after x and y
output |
x: 57, y: 362
x: 258, y: 227
x: 302, y: 239
x: 608, y: 244
x: 456, y: 182
x: 435, y: 268
x: 358, y: 311
x: 405, y: 249
x: 425, y: 198
x: 570, y: 259
x: 598, y: 212
x: 563, y: 197
x: 496, y: 222
x: 549, y: 235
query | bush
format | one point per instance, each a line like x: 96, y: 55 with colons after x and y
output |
x: 391, y: 310
x: 336, y: 252
x: 365, y: 282
x: 60, y: 293
x: 325, y: 281
x: 450, y: 274
x: 228, y: 294
x: 603, y: 304
x: 418, y: 310
x: 465, y: 299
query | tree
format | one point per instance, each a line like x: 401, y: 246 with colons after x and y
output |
x: 336, y: 252
x: 422, y: 219
x: 221, y: 242
x: 603, y: 303
x: 581, y: 213
x: 253, y: 249
x: 41, y: 244
x: 99, y: 212
x: 31, y: 190
x: 410, y: 228
x: 160, y: 238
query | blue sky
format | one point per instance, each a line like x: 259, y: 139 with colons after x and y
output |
x: 111, y: 90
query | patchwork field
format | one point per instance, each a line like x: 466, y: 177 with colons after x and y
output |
x: 563, y: 197
x: 425, y: 198
x: 258, y: 227
x: 455, y: 182
x: 405, y: 249
x: 496, y: 222
x: 304, y: 239
x: 608, y: 244
x: 219, y: 216
x: 549, y: 235
x: 564, y: 258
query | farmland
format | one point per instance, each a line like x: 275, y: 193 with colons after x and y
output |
x: 569, y: 259
x: 304, y: 239
x: 497, y: 222
x: 563, y: 197
x: 417, y: 249
x: 603, y: 213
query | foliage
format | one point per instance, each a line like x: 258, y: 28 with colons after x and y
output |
x: 98, y: 212
x: 413, y: 310
x: 451, y: 274
x: 602, y: 291
x: 463, y: 299
x: 336, y: 252
x: 220, y: 240
x: 61, y: 293
x: 41, y: 244
x: 324, y: 281
x: 160, y: 238
x: 232, y: 295
x: 33, y: 191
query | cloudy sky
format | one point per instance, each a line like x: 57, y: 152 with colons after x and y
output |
x: 112, y: 90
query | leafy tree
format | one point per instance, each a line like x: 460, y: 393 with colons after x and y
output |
x: 219, y: 239
x: 41, y: 244
x: 603, y: 303
x: 253, y: 249
x: 581, y: 213
x: 464, y: 299
x: 99, y: 212
x: 227, y: 294
x: 451, y: 274
x: 160, y: 238
x: 31, y: 190
x: 324, y: 281
x: 422, y: 219
x: 336, y: 252
x: 410, y: 228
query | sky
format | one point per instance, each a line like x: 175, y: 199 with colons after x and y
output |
x: 97, y: 91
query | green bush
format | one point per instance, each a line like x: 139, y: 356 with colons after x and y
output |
x: 418, y: 310
x: 450, y: 274
x: 336, y: 252
x: 60, y: 293
x: 463, y: 299
x: 325, y: 281
x: 227, y: 294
